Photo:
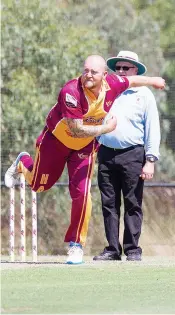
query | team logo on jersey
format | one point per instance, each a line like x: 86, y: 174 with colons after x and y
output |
x: 120, y: 78
x: 83, y: 156
x: 70, y: 101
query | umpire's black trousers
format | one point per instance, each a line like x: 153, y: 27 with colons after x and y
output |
x: 119, y: 171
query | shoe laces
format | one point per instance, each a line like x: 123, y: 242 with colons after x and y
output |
x: 11, y: 169
x: 15, y: 175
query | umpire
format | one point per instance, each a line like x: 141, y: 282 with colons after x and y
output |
x: 126, y: 158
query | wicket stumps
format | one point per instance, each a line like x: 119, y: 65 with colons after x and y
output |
x: 23, y: 223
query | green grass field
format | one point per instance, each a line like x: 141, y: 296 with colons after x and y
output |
x: 91, y: 288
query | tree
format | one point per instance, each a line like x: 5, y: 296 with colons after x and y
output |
x: 163, y: 13
x: 41, y: 50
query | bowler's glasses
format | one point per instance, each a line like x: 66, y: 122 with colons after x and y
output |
x: 125, y: 68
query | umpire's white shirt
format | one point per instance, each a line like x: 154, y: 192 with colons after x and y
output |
x: 137, y: 121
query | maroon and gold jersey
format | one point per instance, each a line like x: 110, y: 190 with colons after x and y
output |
x: 77, y: 102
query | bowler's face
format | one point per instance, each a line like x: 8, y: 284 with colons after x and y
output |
x: 93, y: 74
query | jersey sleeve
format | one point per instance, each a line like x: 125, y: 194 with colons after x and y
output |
x: 119, y: 84
x: 152, y: 125
x: 70, y: 101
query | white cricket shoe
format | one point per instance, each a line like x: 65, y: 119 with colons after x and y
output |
x: 75, y: 254
x: 12, y: 176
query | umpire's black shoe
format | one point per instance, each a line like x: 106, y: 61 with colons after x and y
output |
x: 134, y: 257
x: 107, y: 255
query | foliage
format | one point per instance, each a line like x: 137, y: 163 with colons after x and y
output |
x: 41, y: 50
x: 163, y: 13
x: 45, y: 45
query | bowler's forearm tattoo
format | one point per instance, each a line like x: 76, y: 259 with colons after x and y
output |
x: 78, y: 130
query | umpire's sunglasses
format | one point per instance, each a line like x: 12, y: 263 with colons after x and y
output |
x: 125, y: 68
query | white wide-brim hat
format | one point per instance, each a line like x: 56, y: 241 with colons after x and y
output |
x: 126, y: 56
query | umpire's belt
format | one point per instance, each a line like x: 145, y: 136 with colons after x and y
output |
x: 124, y: 149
